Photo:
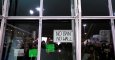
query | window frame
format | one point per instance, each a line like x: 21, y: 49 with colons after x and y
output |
x: 77, y: 17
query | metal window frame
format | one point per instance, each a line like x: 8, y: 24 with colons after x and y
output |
x: 77, y: 18
x: 3, y: 25
x: 112, y: 22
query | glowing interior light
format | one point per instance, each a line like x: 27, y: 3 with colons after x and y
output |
x: 18, y: 32
x: 59, y: 50
x: 11, y: 30
x: 38, y: 8
x: 31, y: 12
x: 84, y: 25
x: 85, y: 33
x: 58, y: 43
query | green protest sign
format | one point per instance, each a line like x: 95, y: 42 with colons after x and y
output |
x: 50, y: 48
x: 33, y: 53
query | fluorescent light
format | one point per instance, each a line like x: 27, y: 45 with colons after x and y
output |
x: 31, y: 12
x: 59, y: 50
x: 38, y: 8
x: 85, y: 33
x: 84, y: 25
x: 58, y: 43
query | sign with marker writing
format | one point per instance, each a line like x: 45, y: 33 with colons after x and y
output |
x: 63, y: 36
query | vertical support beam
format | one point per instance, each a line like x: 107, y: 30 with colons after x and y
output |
x: 73, y: 29
x: 41, y: 8
x: 77, y: 39
x: 79, y: 29
x: 39, y: 39
x: 3, y: 25
x: 40, y: 29
x: 112, y: 22
x: 2, y: 33
x: 73, y: 43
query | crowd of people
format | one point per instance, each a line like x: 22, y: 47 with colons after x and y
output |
x: 98, y: 51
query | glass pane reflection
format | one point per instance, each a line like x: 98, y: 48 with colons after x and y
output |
x: 114, y: 22
x: 97, y: 42
x: 0, y: 23
x: 24, y: 7
x: 1, y: 7
x: 19, y: 40
x: 94, y: 7
x: 51, y: 50
x: 57, y: 8
x: 113, y: 5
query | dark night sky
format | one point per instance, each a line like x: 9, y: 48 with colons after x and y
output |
x: 61, y: 7
x: 113, y: 3
x: 51, y: 8
x: 0, y: 6
x: 95, y: 8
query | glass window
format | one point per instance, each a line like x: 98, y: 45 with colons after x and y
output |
x: 57, y: 8
x: 114, y: 22
x: 0, y: 23
x: 97, y: 42
x: 20, y: 40
x: 94, y: 7
x: 52, y: 48
x: 24, y: 7
x: 1, y: 3
x: 113, y: 5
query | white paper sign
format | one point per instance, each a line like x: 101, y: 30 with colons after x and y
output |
x: 18, y: 52
x: 63, y: 36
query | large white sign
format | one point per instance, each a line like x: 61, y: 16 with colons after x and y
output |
x: 63, y: 36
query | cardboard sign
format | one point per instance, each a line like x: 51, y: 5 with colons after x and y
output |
x: 63, y: 36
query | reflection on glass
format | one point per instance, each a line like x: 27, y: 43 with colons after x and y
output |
x: 113, y: 5
x: 94, y: 7
x: 0, y: 23
x: 20, y: 40
x: 51, y: 50
x: 23, y: 7
x: 57, y: 8
x: 97, y: 44
x: 114, y: 23
x: 1, y: 7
